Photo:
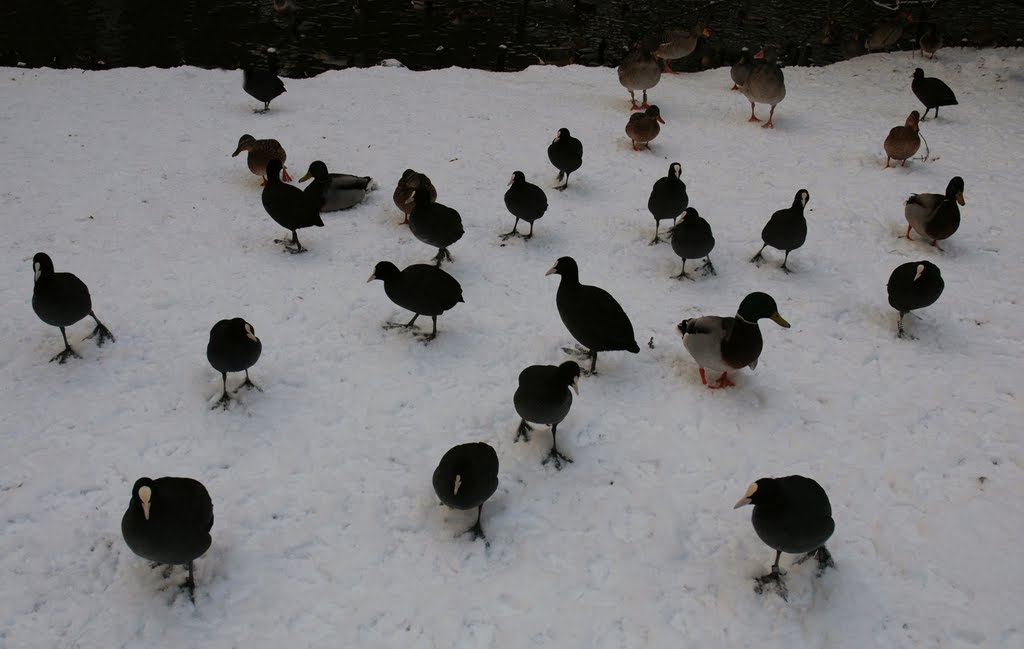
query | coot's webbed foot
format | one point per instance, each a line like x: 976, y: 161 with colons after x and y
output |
x: 190, y: 584
x: 757, y: 259
x: 823, y: 557
x: 786, y: 269
x: 772, y: 581
x: 708, y: 267
x: 555, y: 457
x: 65, y: 355
x: 101, y: 333
x: 523, y: 431
x: 249, y: 384
x: 223, y: 402
x: 478, y: 532
x: 682, y: 273
x: 426, y: 338
x: 509, y: 235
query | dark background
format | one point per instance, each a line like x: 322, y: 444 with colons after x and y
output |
x: 495, y: 35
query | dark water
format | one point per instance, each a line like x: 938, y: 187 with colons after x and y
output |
x: 495, y: 35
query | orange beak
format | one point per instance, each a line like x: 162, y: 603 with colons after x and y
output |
x: 760, y: 54
x: 707, y: 32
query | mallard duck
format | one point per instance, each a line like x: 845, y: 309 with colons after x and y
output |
x: 932, y: 92
x: 466, y: 477
x: 643, y: 127
x: 903, y: 141
x: 289, y: 207
x: 420, y: 288
x: 740, y: 70
x: 913, y: 285
x: 679, y: 43
x: 525, y: 201
x: 668, y: 198
x: 407, y: 186
x: 726, y: 344
x: 61, y: 300
x: 168, y: 520
x: 935, y: 216
x: 233, y: 347
x: 765, y: 84
x: 793, y: 515
x: 786, y: 229
x: 639, y: 71
x: 593, y: 317
x: 566, y: 153
x: 543, y: 397
x: 260, y: 153
x: 692, y: 239
x: 334, y: 191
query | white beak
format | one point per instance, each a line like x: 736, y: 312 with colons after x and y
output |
x: 741, y: 502
x: 576, y: 386
x: 145, y: 509
x: 411, y: 198
x: 917, y: 275
x: 371, y: 278
x: 38, y: 271
x: 510, y: 181
x: 553, y: 269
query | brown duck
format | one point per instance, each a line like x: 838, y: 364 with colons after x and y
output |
x: 679, y: 43
x: 639, y: 71
x: 764, y: 85
x: 903, y: 141
x: 407, y: 186
x: 260, y: 153
x: 643, y: 127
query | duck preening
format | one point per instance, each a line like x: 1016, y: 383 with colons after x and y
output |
x: 544, y: 396
x: 61, y: 300
x: 792, y: 515
x: 168, y: 520
x: 726, y: 344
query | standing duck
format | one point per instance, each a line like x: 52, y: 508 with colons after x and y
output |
x: 233, y: 347
x: 407, y: 186
x: 932, y: 92
x: 543, y: 397
x: 61, y: 300
x: 668, y: 198
x: 334, y: 192
x: 903, y: 141
x: 466, y: 477
x: 740, y: 70
x: 420, y: 288
x: 260, y: 153
x: 639, y: 71
x: 591, y: 314
x: 930, y: 41
x: 692, y: 239
x: 263, y: 85
x: 786, y: 229
x: 168, y: 520
x: 525, y: 201
x: 643, y: 127
x: 726, y: 344
x: 566, y: 153
x: 935, y: 216
x: 679, y: 43
x: 793, y: 515
x: 913, y: 285
x: 765, y: 85
x: 289, y: 207
x: 434, y: 224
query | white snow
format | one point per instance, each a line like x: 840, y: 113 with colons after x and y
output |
x: 327, y: 531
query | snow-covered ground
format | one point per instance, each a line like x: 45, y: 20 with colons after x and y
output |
x: 328, y: 533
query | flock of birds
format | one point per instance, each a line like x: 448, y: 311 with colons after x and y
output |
x: 169, y: 519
